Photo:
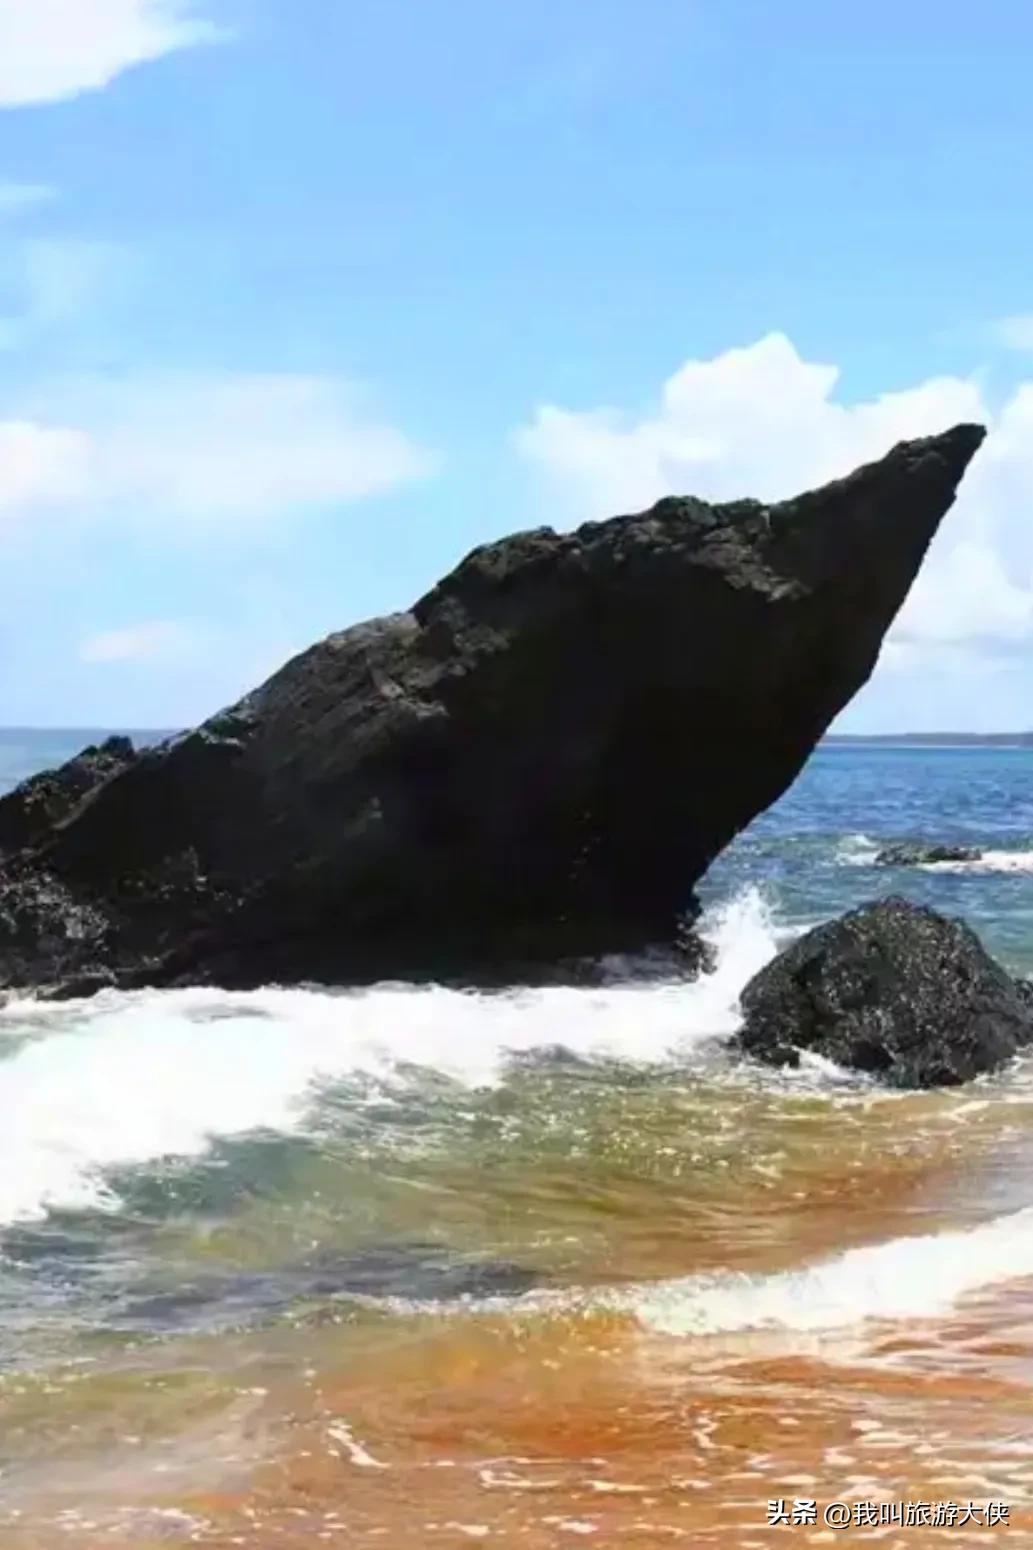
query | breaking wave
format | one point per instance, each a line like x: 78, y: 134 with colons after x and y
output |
x: 857, y: 850
x: 913, y: 1277
x: 125, y: 1079
x: 989, y: 861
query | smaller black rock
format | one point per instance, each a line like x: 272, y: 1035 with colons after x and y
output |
x: 893, y: 989
x: 923, y: 852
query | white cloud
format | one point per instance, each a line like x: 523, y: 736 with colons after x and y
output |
x: 53, y: 49
x: 762, y: 421
x: 159, y: 639
x: 40, y: 465
x: 17, y: 197
x: 1015, y: 333
x: 199, y: 454
x: 757, y: 421
x: 966, y: 595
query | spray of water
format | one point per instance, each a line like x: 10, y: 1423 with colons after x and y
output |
x: 127, y: 1078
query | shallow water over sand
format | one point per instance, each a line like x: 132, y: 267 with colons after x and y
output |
x: 420, y: 1268
x: 554, y: 1294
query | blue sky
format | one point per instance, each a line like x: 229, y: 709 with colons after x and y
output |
x: 299, y: 301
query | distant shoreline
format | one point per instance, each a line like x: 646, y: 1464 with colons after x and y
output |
x: 930, y: 739
x: 831, y: 740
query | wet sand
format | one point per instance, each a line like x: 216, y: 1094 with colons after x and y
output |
x: 595, y: 1407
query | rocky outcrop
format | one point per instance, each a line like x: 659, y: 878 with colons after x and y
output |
x: 925, y: 853
x: 32, y: 809
x: 535, y: 763
x: 893, y: 989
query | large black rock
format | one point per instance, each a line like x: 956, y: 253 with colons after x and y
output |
x: 893, y: 989
x: 537, y: 762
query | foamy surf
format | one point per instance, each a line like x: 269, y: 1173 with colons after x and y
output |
x: 905, y: 1278
x: 990, y: 861
x: 125, y: 1079
x: 857, y: 850
x: 922, y: 1277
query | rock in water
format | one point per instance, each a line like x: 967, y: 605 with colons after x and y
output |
x: 893, y: 989
x: 925, y: 853
x: 29, y: 811
x: 537, y: 762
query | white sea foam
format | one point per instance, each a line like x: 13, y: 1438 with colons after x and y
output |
x: 989, y: 861
x: 860, y: 850
x: 857, y: 850
x: 914, y: 1277
x: 918, y: 1277
x: 125, y: 1079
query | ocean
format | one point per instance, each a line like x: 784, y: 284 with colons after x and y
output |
x: 418, y: 1267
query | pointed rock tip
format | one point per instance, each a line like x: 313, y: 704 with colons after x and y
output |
x: 958, y: 446
x: 937, y: 463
